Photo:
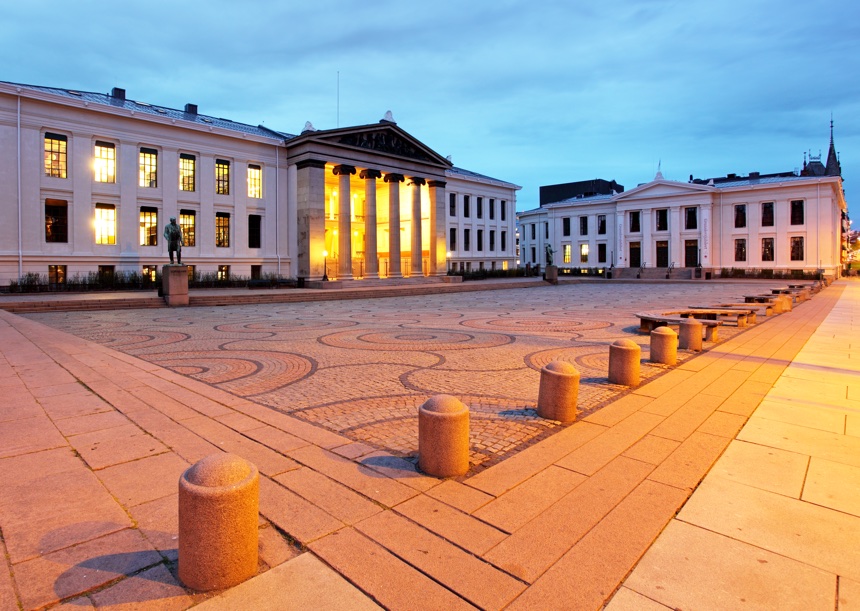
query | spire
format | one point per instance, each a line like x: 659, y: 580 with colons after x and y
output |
x: 659, y: 175
x: 833, y: 167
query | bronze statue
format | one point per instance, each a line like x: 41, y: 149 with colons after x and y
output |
x: 173, y: 236
x: 549, y: 253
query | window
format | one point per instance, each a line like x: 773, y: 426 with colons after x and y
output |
x: 583, y: 225
x: 502, y: 209
x: 691, y: 218
x: 222, y: 229
x: 479, y: 208
x: 465, y: 206
x: 534, y: 255
x: 56, y: 220
x: 255, y: 223
x: 222, y: 177
x: 452, y: 204
x: 767, y: 249
x: 583, y: 253
x: 105, y: 162
x: 148, y: 226
x: 467, y: 234
x: 187, y: 170
x: 662, y: 215
x: 106, y: 274
x: 741, y: 250
x: 601, y: 253
x: 797, y: 248
x: 492, y: 240
x: 504, y: 240
x: 492, y: 206
x: 188, y: 223
x: 148, y: 168
x: 256, y: 272
x: 601, y: 224
x: 480, y: 240
x: 565, y: 226
x: 56, y: 274
x: 565, y: 253
x: 740, y: 216
x: 634, y: 222
x: 105, y: 223
x: 767, y: 215
x: 223, y: 272
x: 56, y: 160
x: 149, y: 271
x: 546, y: 231
x: 255, y: 181
x: 533, y: 230
x: 797, y: 212
x: 452, y: 238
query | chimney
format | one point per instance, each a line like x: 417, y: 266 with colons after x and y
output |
x: 191, y: 109
x: 118, y: 93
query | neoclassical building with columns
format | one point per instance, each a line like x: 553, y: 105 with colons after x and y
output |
x: 88, y: 181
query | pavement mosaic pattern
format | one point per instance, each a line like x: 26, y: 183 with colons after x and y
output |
x: 362, y: 368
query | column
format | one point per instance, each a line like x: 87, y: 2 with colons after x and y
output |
x: 438, y: 237
x: 310, y: 218
x: 705, y: 236
x: 676, y: 246
x: 371, y: 256
x: 394, y: 181
x: 417, y: 251
x: 344, y: 224
x: 620, y: 255
x: 647, y: 247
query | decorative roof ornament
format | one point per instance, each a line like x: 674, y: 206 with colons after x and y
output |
x: 832, y: 167
x: 388, y: 118
x: 309, y: 127
x: 659, y: 175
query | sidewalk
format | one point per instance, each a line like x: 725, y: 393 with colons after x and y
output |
x: 92, y: 443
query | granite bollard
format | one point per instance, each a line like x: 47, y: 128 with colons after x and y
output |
x: 624, y: 355
x: 664, y: 346
x: 559, y: 389
x: 218, y: 515
x: 690, y: 336
x: 443, y: 436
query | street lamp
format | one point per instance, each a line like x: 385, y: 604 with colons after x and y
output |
x: 325, y: 266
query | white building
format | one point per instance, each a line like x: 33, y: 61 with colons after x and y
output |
x: 779, y: 222
x: 88, y: 181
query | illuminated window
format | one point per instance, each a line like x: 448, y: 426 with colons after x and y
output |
x: 767, y: 249
x: 57, y: 274
x: 691, y: 220
x: 797, y: 212
x: 797, y: 248
x: 187, y: 170
x: 222, y: 229
x: 583, y: 253
x: 149, y: 271
x: 767, y: 215
x: 740, y: 250
x: 188, y: 223
x: 565, y: 249
x: 662, y: 219
x: 56, y: 220
x: 634, y: 222
x: 255, y: 225
x: 223, y: 272
x: 56, y: 161
x: 255, y: 181
x: 148, y: 226
x: 105, y: 224
x: 222, y: 177
x: 148, y: 168
x: 740, y: 216
x: 105, y: 162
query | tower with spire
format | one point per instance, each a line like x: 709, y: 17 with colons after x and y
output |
x: 815, y: 168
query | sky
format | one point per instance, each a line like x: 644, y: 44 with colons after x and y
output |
x: 534, y: 92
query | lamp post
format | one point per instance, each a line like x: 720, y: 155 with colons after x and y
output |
x: 325, y: 266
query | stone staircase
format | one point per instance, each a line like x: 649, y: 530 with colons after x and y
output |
x: 77, y: 304
x: 653, y: 273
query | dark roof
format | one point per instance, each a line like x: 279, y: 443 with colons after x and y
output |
x: 455, y: 171
x: 118, y: 101
x: 550, y: 194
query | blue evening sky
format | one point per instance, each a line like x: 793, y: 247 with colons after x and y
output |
x: 532, y: 92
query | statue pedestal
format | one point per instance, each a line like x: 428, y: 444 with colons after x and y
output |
x: 174, y: 285
x: 551, y: 274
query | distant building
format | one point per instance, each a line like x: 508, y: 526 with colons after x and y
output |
x: 785, y: 221
x: 574, y: 190
x: 88, y: 181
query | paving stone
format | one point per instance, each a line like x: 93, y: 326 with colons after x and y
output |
x: 297, y: 517
x: 89, y: 424
x: 803, y: 413
x: 8, y: 597
x: 722, y: 424
x: 70, y: 405
x: 455, y: 494
x: 692, y: 568
x: 334, y: 498
x: 762, y: 467
x: 833, y: 485
x: 687, y: 418
x: 619, y: 409
x: 454, y: 525
x: 849, y: 595
x: 389, y: 580
x: 803, y: 440
x: 32, y: 434
x: 184, y: 442
x: 689, y: 463
x: 626, y: 599
x: 651, y: 449
x: 158, y: 521
x: 139, y: 481
x: 155, y: 588
x: 114, y: 446
x: 274, y: 548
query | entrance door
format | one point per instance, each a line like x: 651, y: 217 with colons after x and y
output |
x: 635, y: 255
x: 662, y: 254
x: 691, y: 253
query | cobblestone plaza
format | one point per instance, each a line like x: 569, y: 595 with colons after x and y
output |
x: 362, y: 367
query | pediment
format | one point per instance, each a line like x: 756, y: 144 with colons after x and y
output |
x: 663, y: 188
x: 384, y: 138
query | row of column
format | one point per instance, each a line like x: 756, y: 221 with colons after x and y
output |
x: 345, y: 224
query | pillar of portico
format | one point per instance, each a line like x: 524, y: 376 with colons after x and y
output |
x: 344, y: 223
x: 394, y: 181
x: 647, y: 248
x: 705, y: 237
x: 417, y: 259
x: 438, y: 257
x: 620, y: 255
x: 676, y: 246
x: 310, y: 218
x: 371, y: 256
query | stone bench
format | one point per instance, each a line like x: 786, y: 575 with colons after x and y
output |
x: 741, y: 315
x: 648, y: 321
x: 767, y: 308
